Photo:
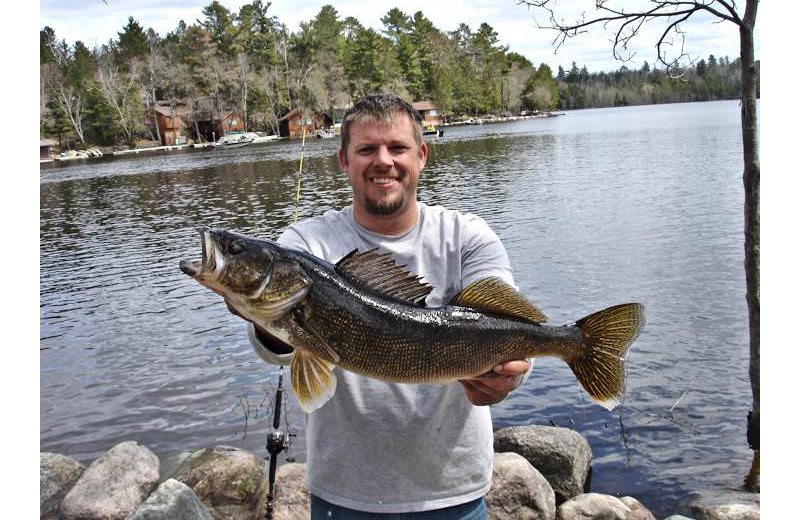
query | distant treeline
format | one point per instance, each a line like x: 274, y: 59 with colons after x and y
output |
x: 249, y: 62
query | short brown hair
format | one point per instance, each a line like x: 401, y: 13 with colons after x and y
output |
x: 382, y: 108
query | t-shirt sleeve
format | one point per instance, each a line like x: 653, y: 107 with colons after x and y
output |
x: 482, y: 254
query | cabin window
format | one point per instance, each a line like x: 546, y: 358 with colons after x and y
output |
x: 433, y: 113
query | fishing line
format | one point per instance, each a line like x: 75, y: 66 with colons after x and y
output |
x: 299, y: 176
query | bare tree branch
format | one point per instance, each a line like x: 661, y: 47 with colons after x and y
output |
x: 630, y: 23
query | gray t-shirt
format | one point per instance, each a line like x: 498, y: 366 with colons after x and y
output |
x: 387, y: 447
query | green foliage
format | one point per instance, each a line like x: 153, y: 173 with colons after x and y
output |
x: 132, y: 44
x: 246, y: 60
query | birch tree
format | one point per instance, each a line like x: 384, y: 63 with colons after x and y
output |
x: 120, y: 91
x: 71, y: 81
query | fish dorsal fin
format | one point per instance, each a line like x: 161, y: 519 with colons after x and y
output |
x: 496, y: 296
x: 380, y: 273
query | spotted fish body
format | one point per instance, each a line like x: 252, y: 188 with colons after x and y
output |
x: 367, y: 315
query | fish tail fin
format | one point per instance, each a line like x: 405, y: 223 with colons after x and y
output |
x: 606, y: 337
x: 313, y: 380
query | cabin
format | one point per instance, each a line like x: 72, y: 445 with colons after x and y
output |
x: 170, y: 121
x: 212, y: 129
x: 231, y: 121
x: 428, y: 112
x: 291, y: 125
x: 44, y: 148
x: 176, y: 124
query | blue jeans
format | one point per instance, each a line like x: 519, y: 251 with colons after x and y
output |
x: 322, y: 510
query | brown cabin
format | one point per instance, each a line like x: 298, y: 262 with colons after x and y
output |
x: 291, y: 125
x: 428, y: 112
x: 44, y: 147
x: 230, y: 122
x: 170, y: 121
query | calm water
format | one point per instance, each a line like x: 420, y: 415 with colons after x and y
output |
x: 595, y: 208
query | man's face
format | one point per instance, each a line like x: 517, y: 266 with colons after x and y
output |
x: 383, y: 162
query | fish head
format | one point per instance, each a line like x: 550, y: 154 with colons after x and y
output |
x: 256, y: 277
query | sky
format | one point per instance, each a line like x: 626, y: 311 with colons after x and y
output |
x: 95, y: 22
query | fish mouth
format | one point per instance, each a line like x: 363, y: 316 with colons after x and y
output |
x: 212, y: 260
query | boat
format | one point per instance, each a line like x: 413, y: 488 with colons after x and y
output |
x: 325, y: 133
x: 432, y: 130
x: 236, y: 139
x: 70, y: 155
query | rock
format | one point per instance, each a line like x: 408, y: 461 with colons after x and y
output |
x: 57, y: 475
x: 114, y: 485
x: 519, y: 491
x: 292, y: 500
x: 638, y: 511
x: 230, y: 482
x: 678, y: 517
x: 593, y: 506
x: 722, y: 505
x: 173, y: 500
x: 563, y: 456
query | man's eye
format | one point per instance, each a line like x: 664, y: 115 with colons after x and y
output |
x: 399, y: 148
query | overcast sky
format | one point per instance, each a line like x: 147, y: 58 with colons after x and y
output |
x: 95, y: 22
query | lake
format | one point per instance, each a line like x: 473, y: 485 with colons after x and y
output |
x: 595, y: 207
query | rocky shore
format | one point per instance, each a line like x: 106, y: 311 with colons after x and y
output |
x: 540, y: 473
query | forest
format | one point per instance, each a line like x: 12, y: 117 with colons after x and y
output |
x: 251, y: 63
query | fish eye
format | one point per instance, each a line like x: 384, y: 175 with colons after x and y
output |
x: 236, y: 247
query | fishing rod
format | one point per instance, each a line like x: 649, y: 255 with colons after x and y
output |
x: 277, y: 441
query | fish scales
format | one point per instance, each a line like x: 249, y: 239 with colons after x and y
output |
x: 367, y: 315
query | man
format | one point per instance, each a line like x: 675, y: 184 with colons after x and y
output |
x: 378, y: 448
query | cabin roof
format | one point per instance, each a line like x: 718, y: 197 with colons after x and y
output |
x: 423, y: 105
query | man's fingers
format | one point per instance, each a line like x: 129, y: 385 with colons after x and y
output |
x: 512, y: 368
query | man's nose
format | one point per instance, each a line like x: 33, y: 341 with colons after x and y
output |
x: 383, y: 157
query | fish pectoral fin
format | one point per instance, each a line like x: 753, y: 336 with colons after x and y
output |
x: 313, y: 381
x: 496, y: 296
x: 299, y: 318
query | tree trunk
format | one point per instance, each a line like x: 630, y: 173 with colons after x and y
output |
x: 752, y: 232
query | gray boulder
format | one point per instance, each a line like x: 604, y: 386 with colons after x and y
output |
x: 563, y: 456
x: 593, y: 506
x: 722, y: 505
x: 57, y: 475
x: 638, y: 511
x: 229, y: 481
x: 519, y: 491
x: 114, y: 485
x: 173, y: 500
x: 292, y: 500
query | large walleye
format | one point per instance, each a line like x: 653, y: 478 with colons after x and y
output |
x: 368, y: 316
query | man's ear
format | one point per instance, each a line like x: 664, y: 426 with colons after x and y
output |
x: 423, y: 151
x: 342, y: 160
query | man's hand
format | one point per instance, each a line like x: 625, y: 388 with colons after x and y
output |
x: 486, y: 391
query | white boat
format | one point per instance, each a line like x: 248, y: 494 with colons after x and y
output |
x: 325, y: 134
x: 70, y: 155
x: 236, y: 139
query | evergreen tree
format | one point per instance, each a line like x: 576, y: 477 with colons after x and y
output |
x: 132, y: 44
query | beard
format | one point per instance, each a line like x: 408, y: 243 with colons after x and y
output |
x: 384, y: 206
